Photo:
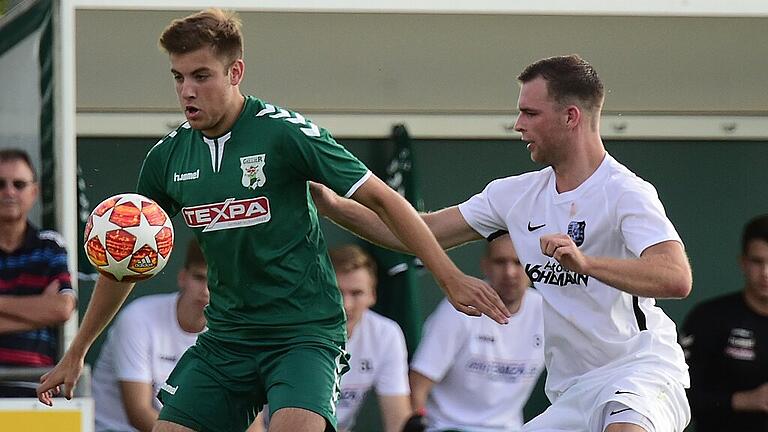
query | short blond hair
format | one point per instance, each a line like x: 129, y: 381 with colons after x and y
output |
x: 350, y: 257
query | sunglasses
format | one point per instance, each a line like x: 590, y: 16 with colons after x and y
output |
x: 19, y: 185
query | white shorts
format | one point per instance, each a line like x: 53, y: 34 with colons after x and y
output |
x: 651, y: 394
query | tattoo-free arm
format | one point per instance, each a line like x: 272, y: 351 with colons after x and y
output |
x: 661, y: 271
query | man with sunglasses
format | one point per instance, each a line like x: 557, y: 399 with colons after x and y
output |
x: 35, y: 291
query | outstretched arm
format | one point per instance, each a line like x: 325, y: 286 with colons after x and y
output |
x: 661, y: 271
x: 448, y: 225
x: 107, y: 298
x: 467, y: 294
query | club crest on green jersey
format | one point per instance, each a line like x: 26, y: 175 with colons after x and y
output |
x: 253, y: 171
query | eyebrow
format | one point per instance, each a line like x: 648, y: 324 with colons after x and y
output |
x: 202, y: 69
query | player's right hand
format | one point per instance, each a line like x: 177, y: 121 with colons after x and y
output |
x: 65, y: 374
x: 474, y: 297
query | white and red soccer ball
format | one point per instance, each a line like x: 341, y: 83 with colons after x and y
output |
x: 128, y: 237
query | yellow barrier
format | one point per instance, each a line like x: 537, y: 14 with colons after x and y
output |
x: 29, y: 415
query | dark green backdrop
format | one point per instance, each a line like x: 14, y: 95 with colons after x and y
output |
x: 709, y: 190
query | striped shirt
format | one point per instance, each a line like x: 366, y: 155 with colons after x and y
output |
x: 40, y: 260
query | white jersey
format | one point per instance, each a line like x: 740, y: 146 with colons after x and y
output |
x: 590, y: 327
x: 143, y: 345
x: 484, y: 371
x: 378, y: 359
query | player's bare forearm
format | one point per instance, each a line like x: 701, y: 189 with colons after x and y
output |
x: 467, y: 294
x: 355, y: 217
x: 107, y: 298
x: 447, y: 225
x: 662, y: 270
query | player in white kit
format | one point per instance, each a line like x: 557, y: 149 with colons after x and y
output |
x: 472, y: 374
x: 376, y: 345
x: 598, y: 246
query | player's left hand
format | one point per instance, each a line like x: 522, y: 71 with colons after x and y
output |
x: 562, y: 248
x: 474, y: 297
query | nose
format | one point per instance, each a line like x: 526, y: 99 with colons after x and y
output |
x: 518, y: 124
x: 347, y: 300
x: 187, y: 90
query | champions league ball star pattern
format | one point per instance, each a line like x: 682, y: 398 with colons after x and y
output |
x: 128, y: 237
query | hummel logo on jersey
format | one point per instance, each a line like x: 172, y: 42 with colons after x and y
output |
x: 194, y: 175
x: 620, y: 411
x: 533, y: 228
x: 229, y: 214
x: 310, y: 128
x: 553, y: 273
x: 169, y: 388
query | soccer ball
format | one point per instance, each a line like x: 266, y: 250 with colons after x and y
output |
x: 128, y: 237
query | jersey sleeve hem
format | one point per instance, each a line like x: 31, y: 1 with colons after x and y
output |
x: 357, y: 184
x: 466, y: 212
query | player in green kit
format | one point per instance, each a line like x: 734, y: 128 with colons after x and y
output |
x: 237, y: 170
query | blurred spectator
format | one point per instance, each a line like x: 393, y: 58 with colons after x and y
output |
x: 147, y: 339
x: 472, y: 374
x: 726, y: 346
x: 376, y: 345
x: 36, y: 295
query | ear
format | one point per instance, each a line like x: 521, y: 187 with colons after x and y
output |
x: 237, y: 72
x: 573, y: 116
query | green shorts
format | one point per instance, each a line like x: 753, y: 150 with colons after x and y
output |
x: 219, y: 387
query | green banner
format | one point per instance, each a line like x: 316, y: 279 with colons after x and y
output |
x: 398, y: 289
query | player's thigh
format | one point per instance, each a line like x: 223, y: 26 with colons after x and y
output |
x: 212, y: 390
x: 305, y: 375
x: 296, y: 419
x: 660, y: 402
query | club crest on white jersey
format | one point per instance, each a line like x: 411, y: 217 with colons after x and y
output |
x: 253, y: 171
x: 231, y: 213
x: 576, y: 231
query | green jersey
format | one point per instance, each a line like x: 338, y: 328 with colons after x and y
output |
x: 246, y: 198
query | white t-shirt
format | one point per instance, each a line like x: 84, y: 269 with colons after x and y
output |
x: 484, y: 371
x: 143, y: 345
x: 379, y: 359
x: 589, y: 326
